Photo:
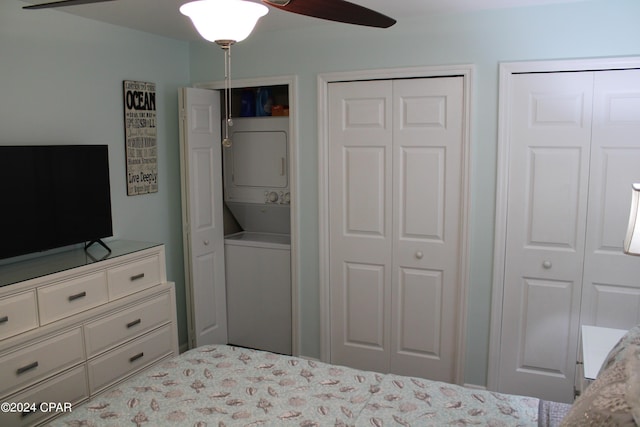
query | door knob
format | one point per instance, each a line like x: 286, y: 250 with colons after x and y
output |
x: 419, y: 254
x: 206, y: 243
x: 547, y: 264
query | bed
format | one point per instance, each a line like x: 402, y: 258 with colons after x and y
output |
x: 231, y: 386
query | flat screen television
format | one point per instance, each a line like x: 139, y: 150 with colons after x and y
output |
x: 53, y: 196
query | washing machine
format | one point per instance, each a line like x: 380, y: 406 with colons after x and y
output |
x: 258, y: 274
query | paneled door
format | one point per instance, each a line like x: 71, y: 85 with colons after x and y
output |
x: 573, y: 154
x: 395, y: 161
x: 550, y: 130
x: 203, y: 227
x: 611, y: 289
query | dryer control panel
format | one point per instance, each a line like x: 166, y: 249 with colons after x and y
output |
x: 256, y: 165
x: 279, y: 197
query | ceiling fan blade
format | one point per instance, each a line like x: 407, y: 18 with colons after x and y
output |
x: 63, y: 3
x: 334, y: 10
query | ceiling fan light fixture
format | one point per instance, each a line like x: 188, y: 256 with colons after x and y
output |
x: 228, y: 20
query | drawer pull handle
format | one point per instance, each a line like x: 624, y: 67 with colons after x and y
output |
x: 29, y: 367
x: 136, y: 357
x: 77, y: 296
x: 137, y: 277
x: 35, y: 406
x: 134, y: 323
x: 26, y: 413
x: 4, y: 319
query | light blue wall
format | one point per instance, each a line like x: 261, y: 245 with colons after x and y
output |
x: 61, y: 82
x: 574, y: 30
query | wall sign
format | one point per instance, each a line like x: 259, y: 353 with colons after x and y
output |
x: 140, y: 132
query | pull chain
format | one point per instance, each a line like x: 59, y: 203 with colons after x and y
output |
x: 226, y: 142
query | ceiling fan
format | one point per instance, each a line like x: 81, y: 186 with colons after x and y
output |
x: 332, y: 10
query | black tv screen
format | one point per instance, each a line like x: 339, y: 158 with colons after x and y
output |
x: 53, y: 196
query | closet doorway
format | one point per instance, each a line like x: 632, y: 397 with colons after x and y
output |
x: 568, y: 153
x: 393, y: 221
x: 204, y: 218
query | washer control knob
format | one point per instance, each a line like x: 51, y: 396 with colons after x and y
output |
x: 272, y: 197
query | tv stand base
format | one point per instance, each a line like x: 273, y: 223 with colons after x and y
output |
x: 98, y: 241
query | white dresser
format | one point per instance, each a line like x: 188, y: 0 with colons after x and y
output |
x: 74, y: 323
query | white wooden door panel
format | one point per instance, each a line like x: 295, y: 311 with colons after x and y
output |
x: 423, y: 206
x: 420, y: 313
x: 617, y: 169
x: 541, y: 302
x: 364, y: 305
x: 427, y: 196
x: 550, y: 130
x: 204, y: 271
x: 612, y: 306
x: 202, y: 215
x: 553, y: 202
x: 360, y: 216
x: 611, y: 289
x: 365, y: 196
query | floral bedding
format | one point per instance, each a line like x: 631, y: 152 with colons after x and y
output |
x: 230, y: 386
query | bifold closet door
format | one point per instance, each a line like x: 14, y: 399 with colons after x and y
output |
x: 203, y: 228
x: 427, y: 187
x: 574, y: 153
x: 395, y: 189
x: 611, y: 289
x: 550, y: 141
x: 360, y: 194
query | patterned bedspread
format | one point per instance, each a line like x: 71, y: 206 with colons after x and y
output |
x: 230, y: 386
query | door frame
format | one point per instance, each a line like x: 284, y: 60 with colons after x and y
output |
x: 467, y: 72
x: 507, y: 70
x: 291, y: 81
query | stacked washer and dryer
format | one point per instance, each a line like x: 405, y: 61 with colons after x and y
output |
x: 258, y: 258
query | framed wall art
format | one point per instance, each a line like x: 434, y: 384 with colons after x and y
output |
x: 140, y: 133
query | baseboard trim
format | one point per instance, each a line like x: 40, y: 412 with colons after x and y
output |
x: 475, y: 386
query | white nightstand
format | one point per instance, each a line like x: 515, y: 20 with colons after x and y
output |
x: 597, y: 342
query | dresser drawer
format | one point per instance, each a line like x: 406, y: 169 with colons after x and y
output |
x: 133, y: 277
x: 18, y: 313
x: 117, y: 328
x: 69, y: 387
x: 115, y: 364
x: 37, y: 361
x: 73, y: 296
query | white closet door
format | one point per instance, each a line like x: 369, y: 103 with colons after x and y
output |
x: 427, y: 176
x: 550, y: 134
x: 611, y: 290
x: 395, y: 150
x: 201, y: 171
x: 360, y: 154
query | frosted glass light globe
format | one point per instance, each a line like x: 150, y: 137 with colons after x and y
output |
x: 224, y: 20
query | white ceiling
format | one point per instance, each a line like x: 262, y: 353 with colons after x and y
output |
x: 162, y: 16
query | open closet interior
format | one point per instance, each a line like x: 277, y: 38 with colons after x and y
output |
x: 237, y: 217
x: 257, y: 219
